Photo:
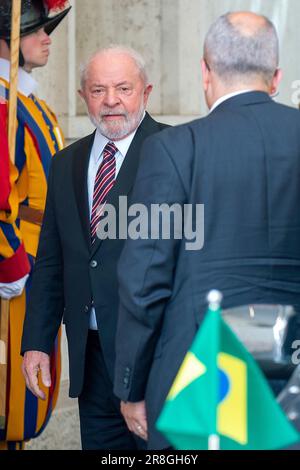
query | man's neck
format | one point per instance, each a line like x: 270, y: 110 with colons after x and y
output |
x: 27, y: 68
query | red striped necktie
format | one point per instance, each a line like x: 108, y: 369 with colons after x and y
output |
x: 105, y: 179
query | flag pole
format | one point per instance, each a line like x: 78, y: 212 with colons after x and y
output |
x: 12, y: 129
x: 214, y: 300
x: 214, y: 442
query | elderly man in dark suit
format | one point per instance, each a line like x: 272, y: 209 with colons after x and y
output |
x: 75, y: 275
x: 242, y: 162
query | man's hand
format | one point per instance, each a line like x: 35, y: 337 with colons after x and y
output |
x: 135, y: 417
x: 13, y: 289
x: 33, y: 362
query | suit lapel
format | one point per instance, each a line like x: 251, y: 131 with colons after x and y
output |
x: 127, y: 173
x: 80, y: 171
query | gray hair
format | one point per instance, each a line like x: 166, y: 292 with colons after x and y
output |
x: 118, y: 49
x: 234, y: 55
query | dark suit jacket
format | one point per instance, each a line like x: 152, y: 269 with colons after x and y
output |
x: 69, y: 273
x: 243, y: 163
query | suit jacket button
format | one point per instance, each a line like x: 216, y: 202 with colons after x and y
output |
x: 93, y: 264
x: 86, y: 309
x: 126, y: 381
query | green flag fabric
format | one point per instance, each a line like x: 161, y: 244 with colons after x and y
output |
x: 220, y: 391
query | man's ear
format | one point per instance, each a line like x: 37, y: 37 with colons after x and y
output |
x: 205, y: 75
x: 147, y: 92
x: 276, y: 81
x: 81, y: 94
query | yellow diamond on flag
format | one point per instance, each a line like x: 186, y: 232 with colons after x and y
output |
x: 190, y: 370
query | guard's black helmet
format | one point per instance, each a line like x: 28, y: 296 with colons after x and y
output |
x: 35, y: 14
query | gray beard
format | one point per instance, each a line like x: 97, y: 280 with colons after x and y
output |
x: 131, y: 124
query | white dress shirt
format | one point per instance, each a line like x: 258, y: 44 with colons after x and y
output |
x: 95, y: 161
x: 26, y: 85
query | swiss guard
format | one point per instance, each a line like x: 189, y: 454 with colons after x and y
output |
x: 23, y: 188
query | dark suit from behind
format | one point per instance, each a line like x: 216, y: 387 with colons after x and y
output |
x: 69, y: 273
x: 243, y: 163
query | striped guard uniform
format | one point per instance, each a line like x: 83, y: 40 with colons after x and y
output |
x: 38, y: 139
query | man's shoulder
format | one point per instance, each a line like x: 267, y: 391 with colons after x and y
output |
x: 162, y: 125
x: 67, y: 153
x: 293, y: 113
x: 179, y: 133
x: 175, y: 142
x: 151, y: 126
x: 49, y: 109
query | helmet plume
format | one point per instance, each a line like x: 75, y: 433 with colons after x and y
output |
x: 56, y: 4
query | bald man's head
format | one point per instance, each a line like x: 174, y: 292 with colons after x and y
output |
x: 247, y: 23
x: 241, y: 47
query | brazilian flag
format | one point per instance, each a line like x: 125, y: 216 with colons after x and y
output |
x: 220, y: 395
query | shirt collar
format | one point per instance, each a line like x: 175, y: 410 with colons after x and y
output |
x: 227, y: 97
x: 26, y: 83
x: 122, y: 145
